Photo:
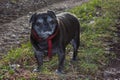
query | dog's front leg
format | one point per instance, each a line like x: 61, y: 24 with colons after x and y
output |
x: 61, y: 58
x: 39, y: 58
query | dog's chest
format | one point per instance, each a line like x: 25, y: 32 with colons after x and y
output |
x: 43, y: 46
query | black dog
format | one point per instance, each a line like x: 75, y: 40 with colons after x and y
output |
x: 50, y: 34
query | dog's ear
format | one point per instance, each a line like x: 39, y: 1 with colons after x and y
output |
x: 52, y: 13
x: 33, y: 17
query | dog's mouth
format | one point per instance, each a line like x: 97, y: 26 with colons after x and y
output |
x: 44, y: 33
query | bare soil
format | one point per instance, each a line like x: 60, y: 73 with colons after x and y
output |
x: 12, y: 9
x: 112, y: 70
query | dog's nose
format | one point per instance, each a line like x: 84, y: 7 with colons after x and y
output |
x: 46, y: 28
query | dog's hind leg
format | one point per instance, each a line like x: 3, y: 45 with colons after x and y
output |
x: 75, y: 43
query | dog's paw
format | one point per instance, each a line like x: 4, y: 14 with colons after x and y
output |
x: 59, y: 72
x: 74, y: 59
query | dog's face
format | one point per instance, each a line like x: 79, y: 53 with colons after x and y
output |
x: 44, y: 23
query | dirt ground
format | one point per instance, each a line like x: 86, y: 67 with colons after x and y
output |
x: 12, y: 9
x: 112, y: 70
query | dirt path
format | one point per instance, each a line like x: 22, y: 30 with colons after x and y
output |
x: 112, y: 71
x: 13, y: 9
x: 17, y: 31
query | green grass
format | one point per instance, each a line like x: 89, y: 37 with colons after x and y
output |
x: 96, y: 17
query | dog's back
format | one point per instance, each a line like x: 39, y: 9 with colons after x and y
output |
x: 68, y: 24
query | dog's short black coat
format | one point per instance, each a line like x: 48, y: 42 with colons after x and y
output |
x: 68, y: 32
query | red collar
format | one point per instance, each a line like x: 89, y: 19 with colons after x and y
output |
x: 49, y: 40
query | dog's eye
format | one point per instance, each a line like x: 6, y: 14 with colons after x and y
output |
x: 38, y: 23
x: 51, y: 22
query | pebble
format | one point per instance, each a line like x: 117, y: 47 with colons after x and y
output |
x: 13, y: 35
